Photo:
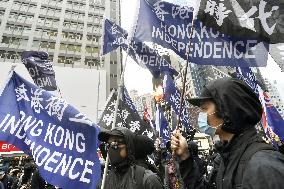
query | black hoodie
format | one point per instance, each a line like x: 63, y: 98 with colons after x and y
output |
x: 241, y: 110
x: 237, y: 103
x: 124, y: 176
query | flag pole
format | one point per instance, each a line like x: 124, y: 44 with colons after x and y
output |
x: 10, y: 73
x: 184, y: 79
x: 119, y: 93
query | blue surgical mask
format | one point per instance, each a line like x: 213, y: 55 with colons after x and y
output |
x: 203, y: 124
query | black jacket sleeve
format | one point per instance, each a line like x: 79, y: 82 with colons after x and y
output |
x: 264, y: 170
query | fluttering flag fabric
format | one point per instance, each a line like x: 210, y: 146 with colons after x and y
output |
x: 172, y: 96
x: 162, y: 126
x: 40, y: 69
x: 261, y: 19
x: 126, y: 117
x: 271, y: 117
x: 113, y: 37
x: 141, y: 53
x: 277, y: 53
x: 246, y: 75
x: 170, y: 26
x: 61, y: 140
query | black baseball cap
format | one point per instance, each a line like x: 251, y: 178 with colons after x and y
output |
x: 205, y: 95
x: 105, y: 134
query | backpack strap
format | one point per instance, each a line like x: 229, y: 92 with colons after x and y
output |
x: 249, y: 152
x: 139, y: 173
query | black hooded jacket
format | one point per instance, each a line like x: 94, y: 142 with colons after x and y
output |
x: 239, y: 164
x: 124, y: 177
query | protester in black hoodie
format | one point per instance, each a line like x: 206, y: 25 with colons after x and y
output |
x: 124, y: 173
x: 231, y: 110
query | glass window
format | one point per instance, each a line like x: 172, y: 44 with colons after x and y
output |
x: 36, y: 44
x: 63, y: 47
x: 27, y: 31
x: 24, y: 43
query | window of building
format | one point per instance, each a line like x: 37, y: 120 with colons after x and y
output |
x: 36, y: 44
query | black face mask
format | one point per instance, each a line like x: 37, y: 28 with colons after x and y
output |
x: 114, y: 156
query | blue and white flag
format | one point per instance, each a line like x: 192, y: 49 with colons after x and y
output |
x: 141, y: 53
x: 245, y: 74
x: 162, y: 126
x: 40, y: 69
x: 170, y: 26
x: 114, y: 36
x: 62, y: 141
x: 172, y: 96
x: 128, y: 100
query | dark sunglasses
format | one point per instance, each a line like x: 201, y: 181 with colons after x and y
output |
x: 114, y: 145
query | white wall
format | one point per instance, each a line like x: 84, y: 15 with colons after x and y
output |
x: 83, y: 88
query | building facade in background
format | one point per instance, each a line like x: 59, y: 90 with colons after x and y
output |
x: 275, y: 96
x: 143, y: 101
x: 69, y: 30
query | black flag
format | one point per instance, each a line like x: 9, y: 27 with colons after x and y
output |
x: 255, y: 19
x: 126, y: 117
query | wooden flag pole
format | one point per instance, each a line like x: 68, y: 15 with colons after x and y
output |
x: 184, y: 79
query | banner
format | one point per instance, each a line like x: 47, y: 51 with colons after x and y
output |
x: 40, y: 69
x: 261, y: 19
x: 61, y: 140
x: 170, y: 26
x: 126, y: 117
x: 172, y: 96
x: 141, y: 53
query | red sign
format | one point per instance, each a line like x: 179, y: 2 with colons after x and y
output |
x: 5, y: 147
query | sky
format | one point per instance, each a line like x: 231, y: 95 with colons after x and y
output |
x: 136, y: 78
x: 140, y: 79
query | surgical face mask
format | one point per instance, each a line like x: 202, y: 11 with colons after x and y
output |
x: 203, y: 124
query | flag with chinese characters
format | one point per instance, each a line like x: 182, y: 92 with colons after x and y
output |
x: 61, y: 140
x: 261, y: 19
x: 141, y: 53
x: 40, y: 69
x: 170, y: 26
x: 162, y: 126
x: 113, y: 37
x: 172, y: 96
x: 126, y: 117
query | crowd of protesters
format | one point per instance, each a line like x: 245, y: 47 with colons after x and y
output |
x: 21, y: 173
x: 241, y: 158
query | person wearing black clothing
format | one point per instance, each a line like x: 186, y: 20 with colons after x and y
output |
x: 124, y: 172
x: 231, y: 110
x: 6, y: 179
